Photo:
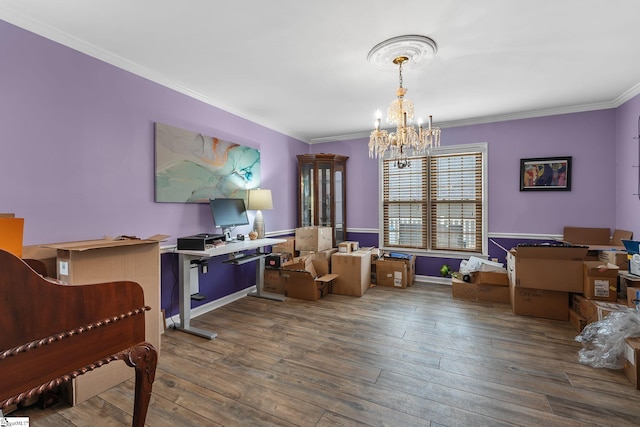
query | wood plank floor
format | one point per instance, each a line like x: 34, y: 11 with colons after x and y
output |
x: 394, y: 357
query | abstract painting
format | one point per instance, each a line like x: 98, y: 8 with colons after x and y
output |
x: 192, y: 167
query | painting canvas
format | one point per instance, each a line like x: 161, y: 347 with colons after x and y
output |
x: 192, y: 167
x: 544, y: 174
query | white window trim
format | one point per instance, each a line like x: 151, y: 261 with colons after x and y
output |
x: 450, y: 149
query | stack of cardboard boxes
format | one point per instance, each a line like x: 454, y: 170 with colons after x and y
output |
x: 308, y: 267
x: 541, y: 278
x: 576, y: 280
x: 317, y: 269
x: 571, y: 280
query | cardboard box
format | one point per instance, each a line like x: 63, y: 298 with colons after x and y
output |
x: 584, y: 307
x: 323, y: 260
x: 633, y: 298
x: 344, y: 247
x: 314, y: 238
x: 539, y: 303
x: 479, y: 291
x: 348, y: 246
x: 394, y: 272
x: 577, y: 321
x: 276, y: 259
x: 631, y: 360
x: 391, y: 273
x: 619, y: 236
x: 273, y: 281
x: 600, y: 281
x: 301, y: 285
x: 326, y: 254
x: 497, y: 277
x: 587, y: 235
x: 354, y: 270
x: 616, y: 257
x: 302, y: 281
x: 605, y: 308
x: 287, y: 247
x: 409, y: 260
x: 548, y: 267
x: 108, y: 260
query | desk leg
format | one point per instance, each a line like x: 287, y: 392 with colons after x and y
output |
x: 184, y: 281
x: 260, y: 282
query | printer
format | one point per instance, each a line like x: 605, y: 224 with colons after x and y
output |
x: 198, y: 242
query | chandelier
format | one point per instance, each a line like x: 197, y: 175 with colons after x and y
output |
x: 407, y: 140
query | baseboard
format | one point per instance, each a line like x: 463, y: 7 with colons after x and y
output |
x: 433, y: 279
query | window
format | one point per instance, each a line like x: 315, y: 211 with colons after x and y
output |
x: 438, y: 203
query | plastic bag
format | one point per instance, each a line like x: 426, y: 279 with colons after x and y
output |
x: 478, y: 264
x: 603, y: 341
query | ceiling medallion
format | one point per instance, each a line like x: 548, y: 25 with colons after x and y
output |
x: 418, y: 50
x: 407, y: 140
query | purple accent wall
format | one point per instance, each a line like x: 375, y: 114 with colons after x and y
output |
x: 588, y: 137
x: 362, y: 181
x: 78, y: 147
x: 627, y: 167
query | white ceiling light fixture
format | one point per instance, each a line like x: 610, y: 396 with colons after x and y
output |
x: 406, y: 141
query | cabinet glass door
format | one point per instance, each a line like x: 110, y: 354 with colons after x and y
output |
x: 307, y: 197
x: 340, y: 234
x: 322, y: 199
x: 324, y: 194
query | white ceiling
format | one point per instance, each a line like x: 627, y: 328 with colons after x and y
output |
x: 300, y: 67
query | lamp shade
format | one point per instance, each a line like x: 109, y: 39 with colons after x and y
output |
x: 259, y: 200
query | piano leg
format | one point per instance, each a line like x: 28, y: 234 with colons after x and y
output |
x: 144, y: 358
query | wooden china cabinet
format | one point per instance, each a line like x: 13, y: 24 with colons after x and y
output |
x: 322, y: 193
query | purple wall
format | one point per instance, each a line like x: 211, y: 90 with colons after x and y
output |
x: 362, y: 181
x: 78, y: 147
x: 627, y: 167
x: 587, y: 137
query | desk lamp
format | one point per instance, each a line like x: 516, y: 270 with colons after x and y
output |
x: 259, y: 200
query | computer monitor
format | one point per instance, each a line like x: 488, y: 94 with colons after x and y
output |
x: 228, y: 214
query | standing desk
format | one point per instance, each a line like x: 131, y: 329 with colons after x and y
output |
x: 185, y: 257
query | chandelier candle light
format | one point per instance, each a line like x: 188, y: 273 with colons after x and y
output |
x: 406, y: 141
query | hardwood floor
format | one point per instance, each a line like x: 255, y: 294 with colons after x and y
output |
x: 394, y: 357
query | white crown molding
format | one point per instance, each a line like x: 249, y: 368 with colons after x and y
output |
x: 336, y: 138
x: 11, y: 16
x: 527, y: 236
x: 506, y: 117
x: 627, y: 95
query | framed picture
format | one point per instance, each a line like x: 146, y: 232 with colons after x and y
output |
x: 545, y: 174
x: 192, y: 167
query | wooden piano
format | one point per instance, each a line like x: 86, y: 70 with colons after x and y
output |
x: 51, y: 333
